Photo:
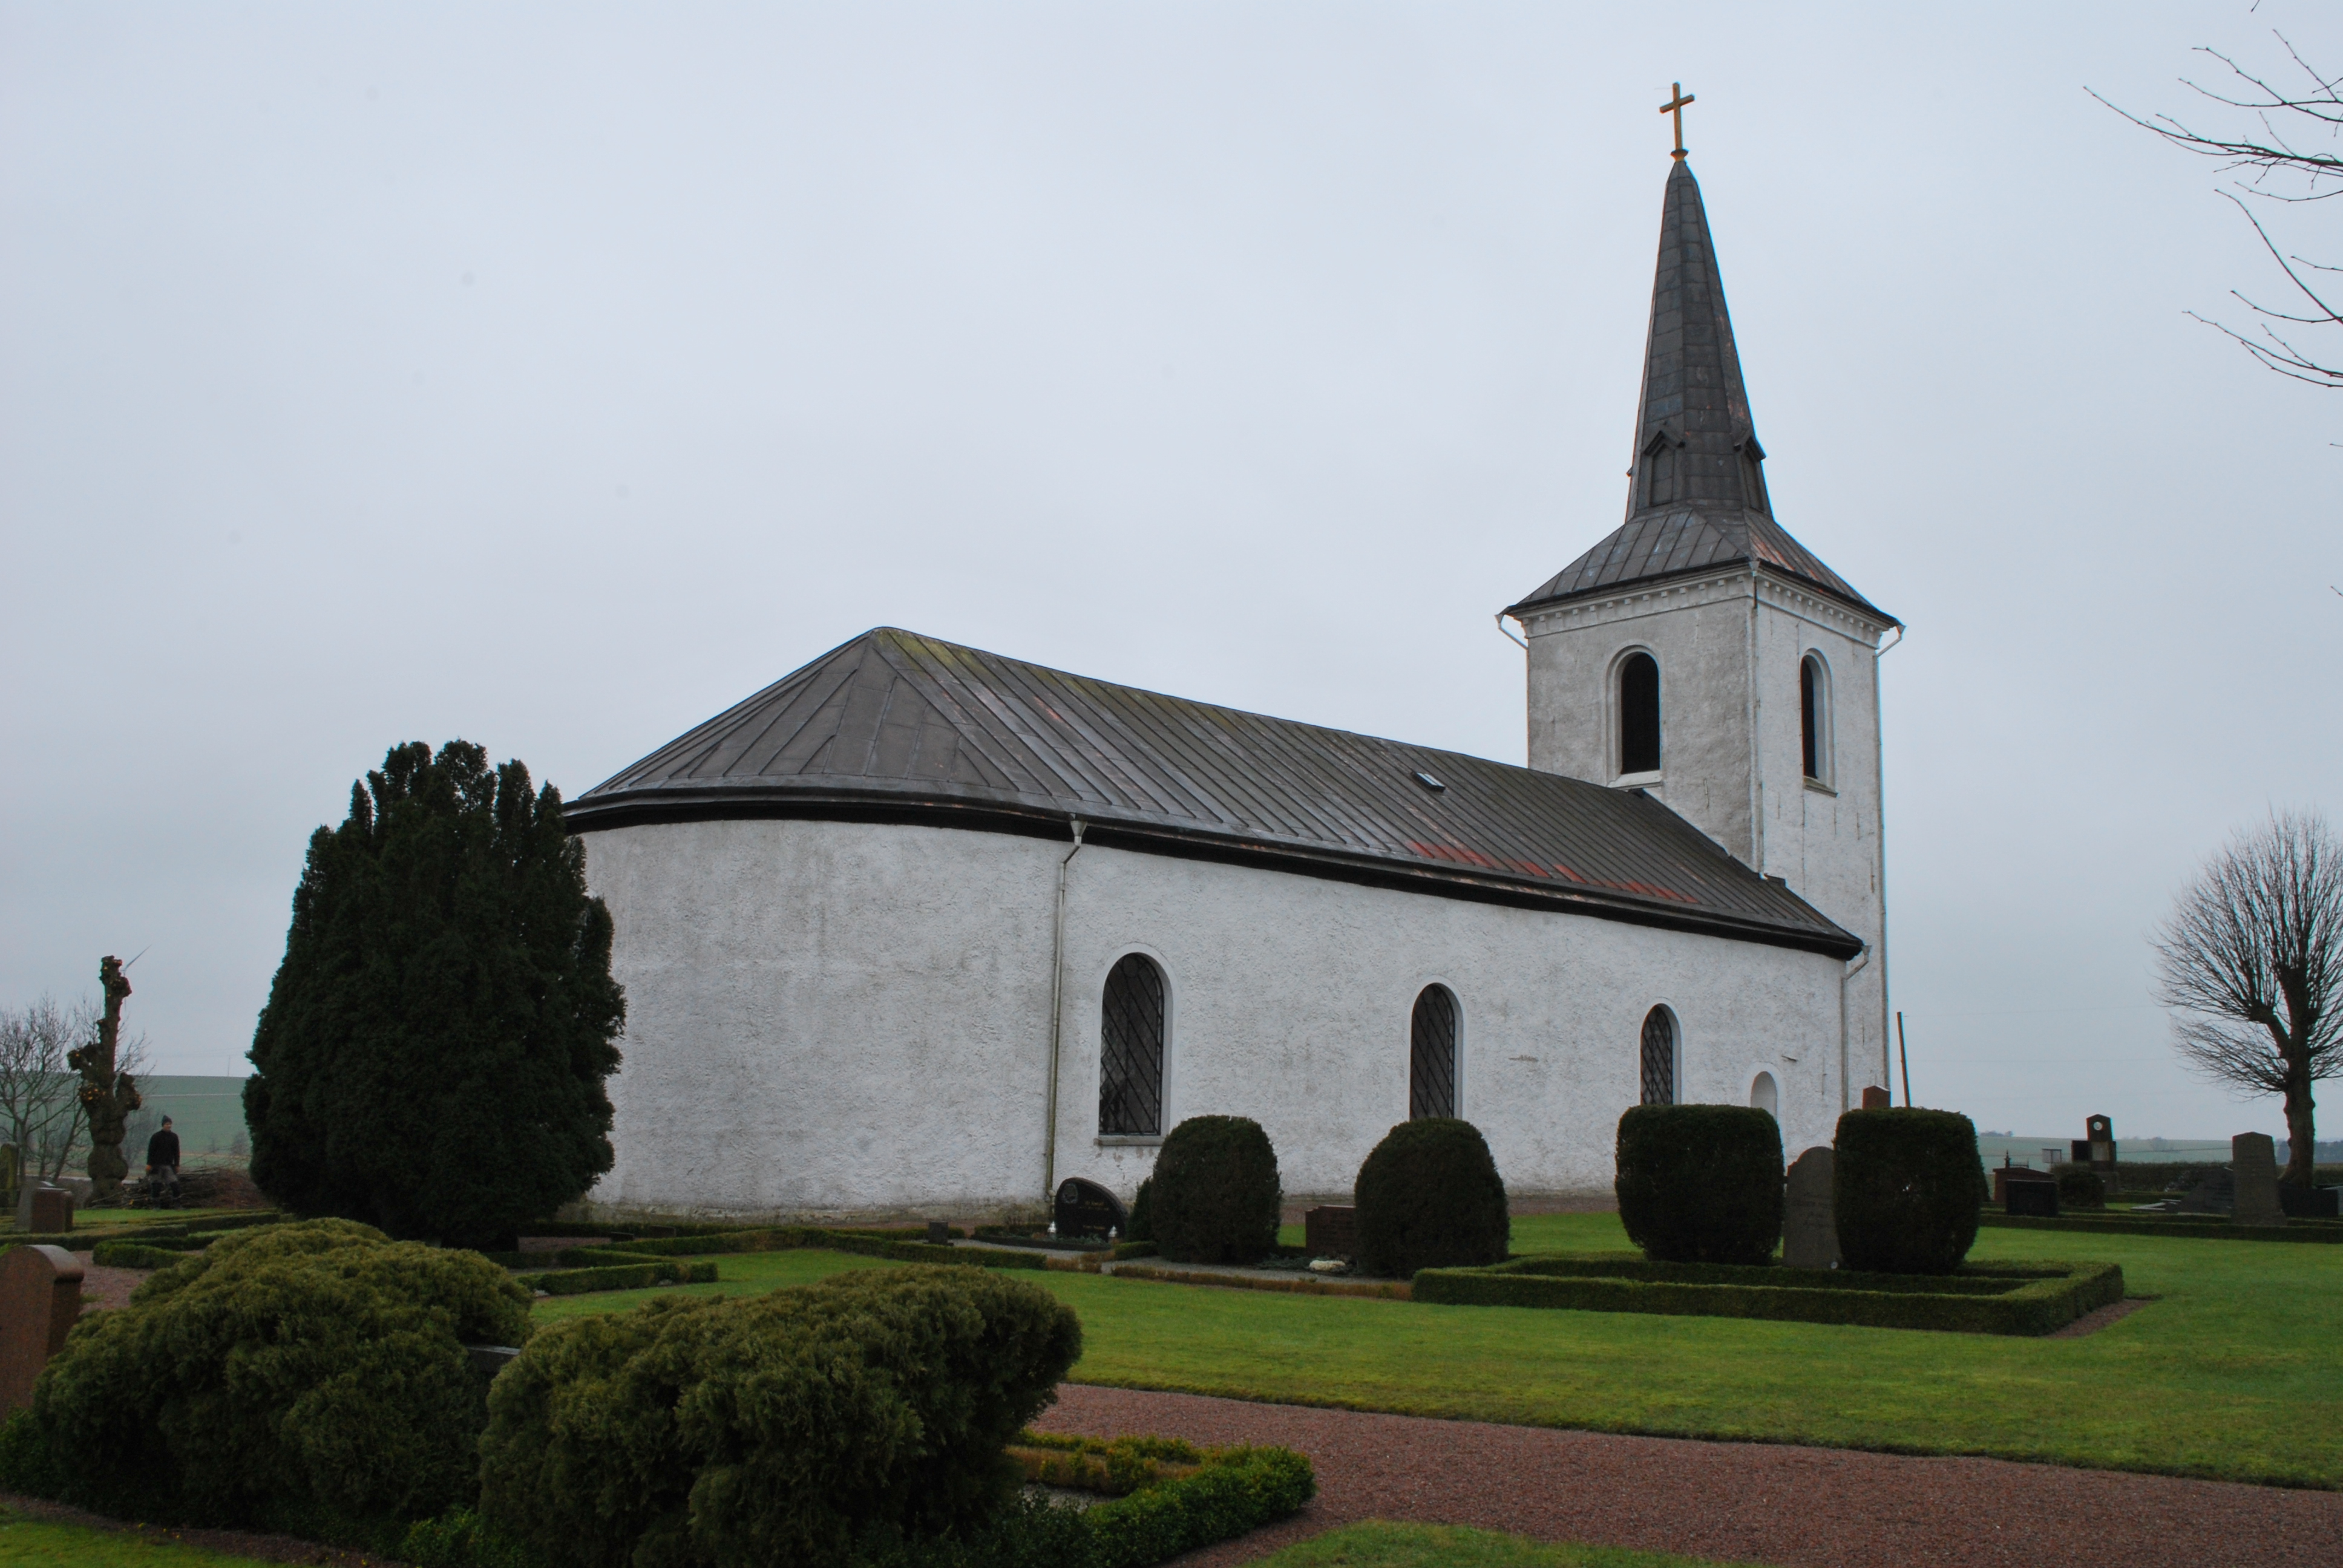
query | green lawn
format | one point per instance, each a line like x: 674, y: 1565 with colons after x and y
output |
x: 31, y: 1544
x: 1376, y: 1544
x: 2235, y: 1373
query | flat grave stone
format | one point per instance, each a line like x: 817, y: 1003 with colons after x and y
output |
x: 2216, y: 1192
x: 2038, y: 1197
x: 1330, y: 1231
x: 2310, y: 1202
x: 1809, y: 1222
x: 1086, y: 1209
x: 2253, y: 1161
x: 40, y: 1297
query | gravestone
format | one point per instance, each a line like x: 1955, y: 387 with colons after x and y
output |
x: 2216, y: 1192
x: 1809, y: 1223
x: 2310, y: 1202
x: 2009, y: 1176
x: 1876, y: 1099
x: 44, y: 1209
x: 2100, y: 1139
x: 8, y: 1173
x: 40, y: 1297
x: 1330, y: 1231
x: 2253, y: 1161
x: 939, y: 1234
x: 2036, y: 1192
x: 1087, y: 1208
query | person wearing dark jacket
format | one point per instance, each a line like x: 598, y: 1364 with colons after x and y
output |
x: 163, y: 1161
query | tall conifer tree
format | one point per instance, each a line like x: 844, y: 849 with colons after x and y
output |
x: 433, y: 1054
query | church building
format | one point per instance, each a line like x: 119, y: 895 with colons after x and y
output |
x: 920, y: 927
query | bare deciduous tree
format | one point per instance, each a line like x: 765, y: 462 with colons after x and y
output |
x: 2276, y: 154
x: 41, y: 1111
x: 2251, y: 960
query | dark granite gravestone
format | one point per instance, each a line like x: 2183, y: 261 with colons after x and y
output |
x: 2031, y: 1192
x: 1087, y: 1208
x: 1330, y: 1231
x: 2100, y: 1143
x: 2310, y: 1202
x: 44, y: 1209
x: 40, y: 1297
x: 2253, y: 1161
x: 1809, y: 1223
x: 1876, y: 1099
x: 2216, y: 1192
x: 939, y: 1234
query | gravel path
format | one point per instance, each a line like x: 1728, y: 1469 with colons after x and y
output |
x: 1759, y: 1502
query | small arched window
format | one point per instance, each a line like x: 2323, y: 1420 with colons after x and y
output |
x: 1815, y: 717
x: 1659, y: 1058
x: 1432, y: 1054
x: 1130, y: 1050
x: 1639, y: 714
x: 1764, y: 1095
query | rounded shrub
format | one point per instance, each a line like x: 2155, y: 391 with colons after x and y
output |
x: 798, y: 1427
x: 1701, y: 1183
x: 1142, y: 1227
x: 1215, y: 1194
x: 1907, y: 1186
x: 309, y: 1377
x: 2080, y: 1187
x: 1429, y: 1197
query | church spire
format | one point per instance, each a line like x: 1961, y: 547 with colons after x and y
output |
x: 1694, y: 444
x: 1696, y: 492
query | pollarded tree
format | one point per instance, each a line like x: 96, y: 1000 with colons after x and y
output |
x: 2251, y: 961
x: 433, y: 1054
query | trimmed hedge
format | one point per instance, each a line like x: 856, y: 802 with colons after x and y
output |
x: 1142, y: 1226
x: 1907, y: 1187
x: 2079, y: 1186
x: 2195, y: 1227
x: 1429, y: 1197
x: 1216, y: 1193
x: 308, y: 1377
x: 133, y: 1255
x: 2028, y: 1298
x: 641, y: 1274
x: 1113, y: 1467
x: 775, y: 1428
x: 1701, y: 1183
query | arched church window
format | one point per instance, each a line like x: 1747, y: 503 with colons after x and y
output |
x: 1130, y: 1065
x: 1659, y: 1058
x: 1639, y: 714
x: 1765, y: 1095
x: 1814, y: 717
x: 1432, y: 1054
x: 1660, y: 463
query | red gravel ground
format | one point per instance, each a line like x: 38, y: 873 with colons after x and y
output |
x: 1752, y: 1502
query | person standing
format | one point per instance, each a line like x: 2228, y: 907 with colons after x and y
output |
x: 163, y: 1163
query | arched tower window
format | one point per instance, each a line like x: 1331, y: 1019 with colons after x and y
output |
x: 1815, y: 717
x: 1639, y: 714
x: 1432, y: 1054
x: 1130, y: 1050
x: 1659, y: 1058
x: 1765, y: 1095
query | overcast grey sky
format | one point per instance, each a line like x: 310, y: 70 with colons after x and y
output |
x: 554, y: 376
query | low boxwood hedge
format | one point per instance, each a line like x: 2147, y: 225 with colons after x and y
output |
x: 133, y: 1255
x: 637, y: 1275
x: 1215, y: 1199
x: 780, y: 1428
x: 2200, y: 1227
x: 1998, y: 1299
x: 1701, y: 1183
x: 1429, y: 1197
x: 1907, y: 1188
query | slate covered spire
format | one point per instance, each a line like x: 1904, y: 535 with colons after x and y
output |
x: 1696, y: 494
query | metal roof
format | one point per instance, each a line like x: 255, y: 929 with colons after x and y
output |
x: 1694, y: 415
x: 896, y: 725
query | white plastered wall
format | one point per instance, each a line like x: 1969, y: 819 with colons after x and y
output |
x: 840, y: 1019
x: 1729, y: 645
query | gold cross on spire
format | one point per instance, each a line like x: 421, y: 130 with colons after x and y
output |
x: 1676, y: 107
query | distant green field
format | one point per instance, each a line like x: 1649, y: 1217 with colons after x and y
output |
x: 207, y: 1113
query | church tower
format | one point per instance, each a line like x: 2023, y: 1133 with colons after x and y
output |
x: 1703, y: 656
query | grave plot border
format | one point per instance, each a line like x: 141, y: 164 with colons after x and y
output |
x: 1229, y: 1492
x: 2026, y: 1299
x: 2186, y: 1227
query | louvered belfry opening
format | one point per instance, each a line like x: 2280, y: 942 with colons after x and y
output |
x: 1639, y: 714
x: 1432, y: 1055
x: 1659, y: 1058
x: 1131, y: 1067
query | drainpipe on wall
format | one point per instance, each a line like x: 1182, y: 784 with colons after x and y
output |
x: 1854, y: 967
x: 1057, y: 1015
x: 1879, y: 837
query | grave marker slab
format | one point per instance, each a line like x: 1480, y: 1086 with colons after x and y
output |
x: 1876, y: 1099
x: 2037, y: 1197
x: 1087, y: 1208
x: 40, y: 1297
x: 1809, y: 1223
x: 44, y: 1209
x: 2253, y: 1161
x: 1330, y: 1231
x: 2216, y: 1192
